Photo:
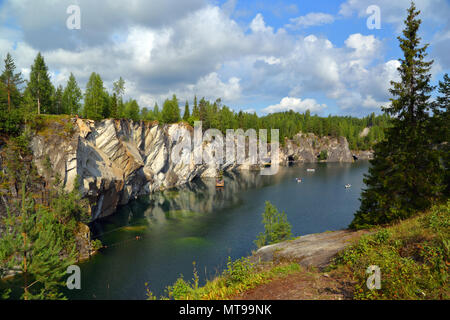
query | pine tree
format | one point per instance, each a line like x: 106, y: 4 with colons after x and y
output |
x: 440, y: 127
x: 132, y: 110
x: 195, y: 110
x: 114, y: 107
x: 156, y: 112
x: 119, y: 90
x: 31, y: 241
x: 171, y: 111
x: 11, y: 82
x: 186, y: 114
x: 94, y: 98
x: 39, y: 86
x: 106, y: 111
x: 405, y: 175
x: 58, y: 106
x: 72, y: 96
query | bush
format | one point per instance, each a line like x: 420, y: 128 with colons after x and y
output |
x: 276, y: 227
x: 238, y: 270
x: 323, y: 155
x: 413, y: 257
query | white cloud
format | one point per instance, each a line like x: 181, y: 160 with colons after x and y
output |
x: 311, y: 19
x: 201, y: 50
x: 258, y: 25
x: 295, y: 104
x: 364, y: 46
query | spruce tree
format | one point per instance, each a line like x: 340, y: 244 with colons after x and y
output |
x: 31, y: 243
x: 114, y: 107
x: 11, y: 82
x: 186, y: 114
x: 72, y: 96
x: 39, y: 86
x: 132, y: 110
x: 405, y: 175
x: 195, y: 110
x: 94, y: 98
x: 58, y: 106
x: 156, y: 112
x: 119, y: 90
x: 171, y: 111
x: 440, y: 127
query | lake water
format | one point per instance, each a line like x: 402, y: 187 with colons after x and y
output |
x: 201, y: 223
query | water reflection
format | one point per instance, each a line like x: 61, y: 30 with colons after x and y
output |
x: 202, y: 223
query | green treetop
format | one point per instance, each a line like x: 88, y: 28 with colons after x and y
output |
x: 72, y: 96
x: 11, y: 82
x: 39, y: 86
x: 94, y: 98
x: 186, y: 114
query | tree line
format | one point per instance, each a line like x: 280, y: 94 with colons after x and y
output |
x: 21, y: 99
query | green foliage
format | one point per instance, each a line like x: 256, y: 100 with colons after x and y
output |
x: 240, y: 275
x: 276, y: 227
x: 11, y: 115
x: 11, y: 82
x: 58, y: 107
x: 132, y: 110
x: 171, y: 111
x: 72, y: 96
x: 32, y: 244
x: 406, y: 174
x: 39, y: 86
x: 94, y: 98
x: 413, y: 257
x: 186, y: 114
x: 238, y: 270
x: 323, y: 155
x: 39, y: 232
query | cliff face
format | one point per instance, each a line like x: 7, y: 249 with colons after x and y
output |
x: 306, y: 148
x: 117, y: 160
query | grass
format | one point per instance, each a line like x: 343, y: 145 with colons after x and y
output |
x: 47, y: 125
x: 239, y: 276
x: 412, y: 256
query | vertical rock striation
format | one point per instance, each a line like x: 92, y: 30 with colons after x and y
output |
x: 118, y: 160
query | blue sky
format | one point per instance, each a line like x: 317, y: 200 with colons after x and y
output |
x: 262, y: 56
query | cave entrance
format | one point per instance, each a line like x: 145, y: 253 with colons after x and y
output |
x: 291, y: 160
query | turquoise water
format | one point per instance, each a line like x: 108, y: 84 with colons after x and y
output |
x: 203, y: 224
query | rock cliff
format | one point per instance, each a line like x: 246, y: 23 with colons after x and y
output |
x: 118, y: 160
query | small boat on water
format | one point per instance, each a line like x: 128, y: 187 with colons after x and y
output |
x: 298, y: 180
x: 311, y: 170
x: 348, y: 186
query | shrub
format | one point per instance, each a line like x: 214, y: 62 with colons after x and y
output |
x: 323, y: 155
x: 276, y: 227
x: 238, y: 270
x: 413, y: 257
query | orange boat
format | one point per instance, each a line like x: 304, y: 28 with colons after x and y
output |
x: 220, y: 183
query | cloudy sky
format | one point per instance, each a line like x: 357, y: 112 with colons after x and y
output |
x: 263, y: 56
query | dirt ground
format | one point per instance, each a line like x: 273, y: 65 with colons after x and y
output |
x: 303, y: 286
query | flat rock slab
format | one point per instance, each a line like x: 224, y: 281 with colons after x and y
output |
x: 313, y: 250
